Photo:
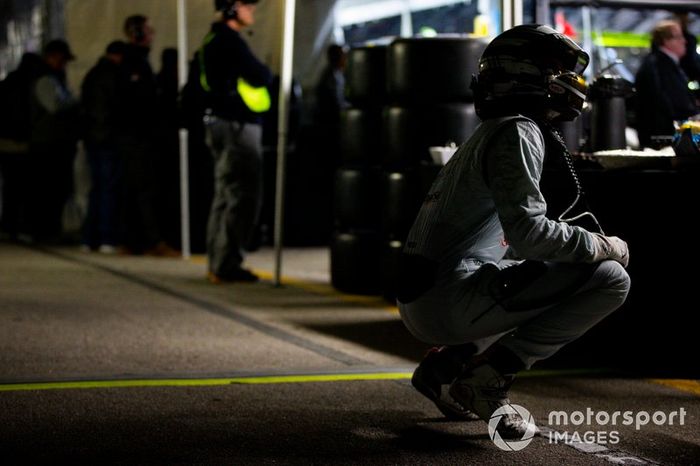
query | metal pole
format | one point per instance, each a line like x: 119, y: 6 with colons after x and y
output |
x: 587, y: 44
x: 507, y: 15
x: 517, y: 12
x: 542, y: 15
x: 184, y: 156
x: 284, y: 93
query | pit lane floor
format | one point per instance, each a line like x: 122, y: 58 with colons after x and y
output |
x: 139, y: 360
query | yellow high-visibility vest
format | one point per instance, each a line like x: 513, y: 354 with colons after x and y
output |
x: 257, y: 99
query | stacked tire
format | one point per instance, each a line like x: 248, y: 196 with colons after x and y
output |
x: 424, y: 100
x: 356, y: 244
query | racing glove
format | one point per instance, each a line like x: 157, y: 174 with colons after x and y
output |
x: 611, y: 247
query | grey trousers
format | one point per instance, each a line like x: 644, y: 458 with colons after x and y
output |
x: 532, y: 310
x: 237, y: 151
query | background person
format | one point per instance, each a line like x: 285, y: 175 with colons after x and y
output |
x: 138, y: 124
x: 54, y: 134
x: 330, y: 89
x: 100, y: 103
x: 15, y: 130
x: 168, y: 148
x: 690, y: 62
x: 662, y: 86
x: 234, y: 136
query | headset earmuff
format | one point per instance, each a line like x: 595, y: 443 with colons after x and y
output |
x: 139, y: 33
x: 232, y: 11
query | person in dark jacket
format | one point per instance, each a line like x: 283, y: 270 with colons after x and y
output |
x: 168, y: 147
x: 662, y: 87
x: 100, y: 102
x: 138, y: 123
x: 234, y: 83
x: 690, y: 62
x: 330, y: 89
x: 54, y: 134
x: 15, y: 128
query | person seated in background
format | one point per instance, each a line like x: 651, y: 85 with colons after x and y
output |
x: 663, y: 95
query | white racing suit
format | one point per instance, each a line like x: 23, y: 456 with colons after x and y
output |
x: 457, y: 287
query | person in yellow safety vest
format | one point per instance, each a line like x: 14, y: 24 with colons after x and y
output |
x: 234, y: 83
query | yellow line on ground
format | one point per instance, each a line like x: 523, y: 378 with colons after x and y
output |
x: 691, y: 386
x: 320, y: 288
x: 263, y: 380
x: 563, y: 372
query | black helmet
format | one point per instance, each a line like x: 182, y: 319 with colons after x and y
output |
x: 533, y: 70
x: 228, y: 7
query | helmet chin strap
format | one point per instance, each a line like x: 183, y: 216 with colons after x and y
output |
x: 552, y: 115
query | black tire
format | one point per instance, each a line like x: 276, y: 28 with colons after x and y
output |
x: 360, y: 136
x: 401, y: 199
x: 436, y: 69
x: 410, y: 131
x: 356, y: 262
x: 391, y: 252
x: 365, y: 76
x: 356, y: 198
x: 402, y: 196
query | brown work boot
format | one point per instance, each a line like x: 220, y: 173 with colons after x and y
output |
x: 161, y: 249
x: 239, y: 275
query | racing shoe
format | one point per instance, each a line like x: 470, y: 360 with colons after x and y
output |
x: 482, y: 390
x: 432, y: 378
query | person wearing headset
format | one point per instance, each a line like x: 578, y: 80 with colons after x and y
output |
x: 234, y: 84
x: 485, y: 273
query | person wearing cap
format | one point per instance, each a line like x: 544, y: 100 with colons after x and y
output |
x: 100, y: 103
x: 54, y: 133
x: 233, y: 83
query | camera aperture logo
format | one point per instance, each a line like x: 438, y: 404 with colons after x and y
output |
x: 512, y: 444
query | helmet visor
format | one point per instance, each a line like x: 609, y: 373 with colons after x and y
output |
x: 575, y: 58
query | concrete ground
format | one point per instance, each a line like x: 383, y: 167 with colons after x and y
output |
x: 139, y: 360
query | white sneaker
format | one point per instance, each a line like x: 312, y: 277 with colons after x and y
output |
x: 483, y: 390
x: 107, y: 249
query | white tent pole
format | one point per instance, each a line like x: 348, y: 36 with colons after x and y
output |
x: 507, y: 15
x: 184, y: 156
x: 517, y: 12
x: 284, y: 93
